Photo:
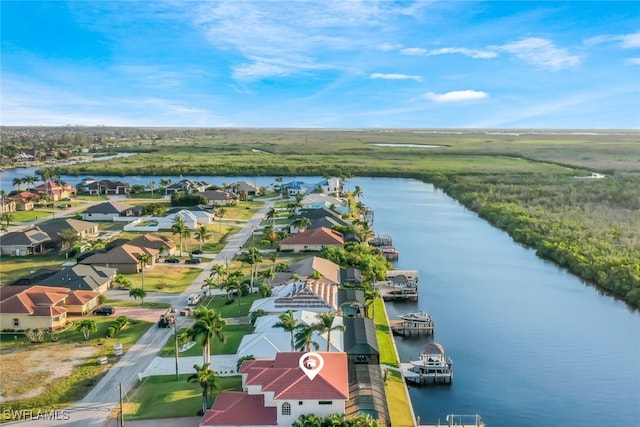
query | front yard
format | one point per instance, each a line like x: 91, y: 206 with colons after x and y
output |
x: 233, y: 334
x: 165, y: 278
x: 163, y: 396
x: 56, y: 374
x: 219, y: 304
x: 16, y: 267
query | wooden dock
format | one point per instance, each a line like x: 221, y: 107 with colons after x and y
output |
x: 401, y: 285
x: 407, y: 327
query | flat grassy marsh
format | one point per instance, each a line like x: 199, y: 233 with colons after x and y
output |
x: 522, y: 181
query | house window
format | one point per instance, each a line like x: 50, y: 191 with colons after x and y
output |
x: 286, y: 408
x: 16, y: 322
x: 56, y: 318
x: 325, y: 402
x: 300, y: 402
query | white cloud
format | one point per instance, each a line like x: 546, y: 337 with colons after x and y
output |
x: 395, y: 77
x: 541, y: 53
x: 472, y: 53
x: 387, y: 47
x: 414, y: 51
x: 456, y: 96
x: 625, y: 41
x: 634, y: 61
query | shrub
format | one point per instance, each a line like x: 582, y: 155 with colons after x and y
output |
x: 229, y: 301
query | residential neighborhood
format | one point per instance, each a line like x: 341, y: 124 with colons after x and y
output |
x: 277, y: 285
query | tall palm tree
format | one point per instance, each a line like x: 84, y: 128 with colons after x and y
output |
x: 220, y: 212
x: 138, y: 293
x: 87, y: 327
x: 252, y: 256
x: 220, y: 270
x: 268, y: 274
x: 271, y: 215
x: 179, y: 228
x: 209, y: 283
x: 144, y: 261
x: 17, y: 182
x: 326, y: 325
x: 234, y: 283
x: 207, y: 380
x: 208, y: 325
x: 202, y: 234
x: 304, y: 338
x: 288, y: 323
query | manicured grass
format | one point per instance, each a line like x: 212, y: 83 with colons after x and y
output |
x: 233, y: 334
x: 397, y: 400
x: 26, y: 216
x: 163, y: 396
x: 15, y: 267
x: 164, y: 278
x: 231, y: 310
x: 135, y: 303
x: 388, y: 355
x: 243, y: 210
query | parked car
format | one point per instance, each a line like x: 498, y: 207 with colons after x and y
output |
x: 193, y: 261
x: 105, y: 310
x: 172, y: 260
x: 197, y: 252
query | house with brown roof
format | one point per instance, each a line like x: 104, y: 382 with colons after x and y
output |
x: 276, y: 392
x: 240, y: 187
x: 28, y: 307
x: 108, y: 210
x: 21, y: 243
x: 219, y: 197
x: 125, y: 258
x: 164, y: 244
x: 323, y: 270
x: 105, y: 186
x: 25, y: 200
x: 312, y: 240
x: 84, y: 230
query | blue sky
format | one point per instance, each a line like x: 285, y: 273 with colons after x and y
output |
x: 342, y: 64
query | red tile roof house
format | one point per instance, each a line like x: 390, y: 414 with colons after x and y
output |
x: 312, y: 240
x: 276, y: 392
x: 29, y: 307
x: 25, y: 200
x: 56, y: 191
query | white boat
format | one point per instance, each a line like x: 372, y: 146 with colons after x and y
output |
x: 417, y: 317
x: 432, y: 366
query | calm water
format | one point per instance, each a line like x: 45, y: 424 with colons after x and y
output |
x: 531, y: 344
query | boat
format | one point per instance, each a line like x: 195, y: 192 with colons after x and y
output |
x: 418, y: 317
x: 432, y: 366
x: 381, y: 240
x: 390, y: 252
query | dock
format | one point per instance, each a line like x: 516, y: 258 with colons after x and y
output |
x: 413, y: 322
x: 432, y: 367
x: 401, y: 285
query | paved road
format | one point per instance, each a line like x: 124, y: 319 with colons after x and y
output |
x: 94, y: 409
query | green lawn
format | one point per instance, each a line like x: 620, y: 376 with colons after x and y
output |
x: 135, y: 303
x: 26, y: 216
x: 164, y: 278
x: 163, y: 396
x: 231, y: 310
x: 15, y: 267
x: 233, y: 334
x: 397, y: 400
x: 388, y: 354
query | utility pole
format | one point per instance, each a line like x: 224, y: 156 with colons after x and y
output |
x: 121, y: 407
x: 175, y: 335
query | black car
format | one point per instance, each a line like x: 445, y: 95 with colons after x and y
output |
x: 105, y: 310
x: 193, y: 261
x: 172, y: 260
x: 196, y: 251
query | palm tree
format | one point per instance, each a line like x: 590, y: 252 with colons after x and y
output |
x: 138, y: 293
x: 5, y: 220
x: 209, y: 324
x: 371, y: 293
x: 209, y: 283
x: 220, y: 271
x: 220, y: 212
x: 17, y: 182
x: 288, y: 323
x: 207, y: 380
x: 144, y: 260
x: 271, y: 215
x: 268, y: 274
x: 357, y: 192
x: 252, y: 257
x: 87, y: 327
x: 234, y: 283
x: 30, y: 179
x: 202, y: 234
x: 304, y: 338
x: 301, y: 223
x: 151, y: 185
x: 326, y: 325
x: 178, y: 228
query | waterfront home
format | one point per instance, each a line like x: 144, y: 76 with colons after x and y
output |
x: 219, y: 197
x: 21, y: 243
x: 367, y: 394
x: 321, y: 269
x: 277, y: 392
x: 105, y: 186
x: 29, y: 307
x: 360, y: 341
x: 81, y: 277
x: 318, y: 201
x: 308, y: 295
x: 24, y: 201
x: 240, y: 187
x: 351, y: 303
x: 56, y: 191
x: 107, y: 211
x: 186, y: 185
x: 312, y: 240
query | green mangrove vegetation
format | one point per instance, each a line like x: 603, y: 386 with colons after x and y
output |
x: 536, y: 185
